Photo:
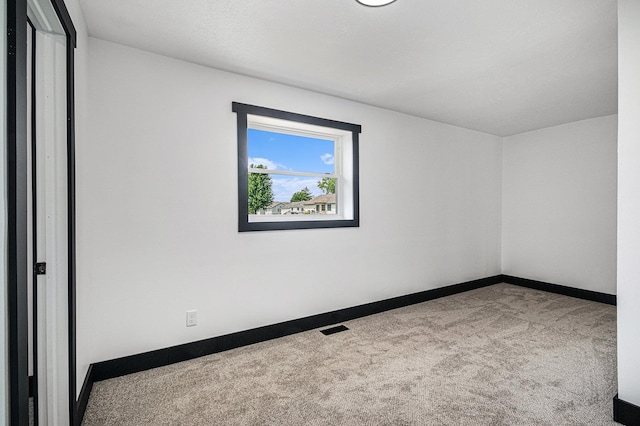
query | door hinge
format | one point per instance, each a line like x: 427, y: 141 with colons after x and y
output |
x: 40, y: 268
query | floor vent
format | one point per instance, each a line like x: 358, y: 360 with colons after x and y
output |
x: 333, y: 330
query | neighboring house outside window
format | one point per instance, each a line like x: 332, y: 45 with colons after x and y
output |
x: 273, y: 209
x: 323, y: 204
x: 296, y: 207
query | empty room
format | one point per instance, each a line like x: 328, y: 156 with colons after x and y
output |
x: 330, y: 212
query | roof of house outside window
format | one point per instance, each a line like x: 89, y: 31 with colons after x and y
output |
x: 295, y: 204
x: 276, y: 204
x: 322, y: 199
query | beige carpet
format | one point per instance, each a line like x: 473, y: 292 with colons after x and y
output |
x: 500, y: 355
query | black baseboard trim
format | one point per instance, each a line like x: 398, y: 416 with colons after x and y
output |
x: 625, y: 412
x: 83, y: 398
x: 161, y: 357
x: 609, y: 299
x: 145, y: 361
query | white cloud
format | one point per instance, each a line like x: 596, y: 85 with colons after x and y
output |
x: 266, y: 162
x: 327, y: 158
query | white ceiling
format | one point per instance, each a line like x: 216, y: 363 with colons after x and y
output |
x: 498, y: 66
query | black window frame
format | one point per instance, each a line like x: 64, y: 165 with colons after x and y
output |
x: 242, y: 110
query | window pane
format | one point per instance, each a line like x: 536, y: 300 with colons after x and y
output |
x: 279, y: 151
x: 287, y: 196
x: 285, y: 187
x: 270, y: 194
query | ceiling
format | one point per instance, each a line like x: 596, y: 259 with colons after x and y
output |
x: 498, y: 66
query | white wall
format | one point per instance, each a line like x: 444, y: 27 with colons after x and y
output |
x: 628, y: 201
x: 559, y: 205
x: 157, y: 209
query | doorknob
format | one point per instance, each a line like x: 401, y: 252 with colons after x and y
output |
x: 40, y: 268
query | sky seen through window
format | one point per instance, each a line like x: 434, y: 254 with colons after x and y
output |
x: 278, y: 151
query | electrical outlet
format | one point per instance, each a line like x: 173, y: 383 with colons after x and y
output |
x: 192, y: 318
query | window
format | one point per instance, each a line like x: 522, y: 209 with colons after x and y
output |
x: 300, y: 162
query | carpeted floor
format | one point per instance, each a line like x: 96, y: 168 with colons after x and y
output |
x: 499, y: 355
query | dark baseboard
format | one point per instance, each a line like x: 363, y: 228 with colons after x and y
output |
x: 145, y: 361
x: 161, y: 357
x: 83, y: 398
x: 626, y: 413
x: 609, y: 299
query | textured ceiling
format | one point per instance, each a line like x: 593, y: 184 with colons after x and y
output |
x: 498, y: 66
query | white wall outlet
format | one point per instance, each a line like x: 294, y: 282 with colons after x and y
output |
x: 192, y: 318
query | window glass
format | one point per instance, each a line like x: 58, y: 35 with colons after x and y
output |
x: 280, y: 151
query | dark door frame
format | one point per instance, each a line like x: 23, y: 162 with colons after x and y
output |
x: 16, y: 190
x: 16, y: 181
x: 33, y: 385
